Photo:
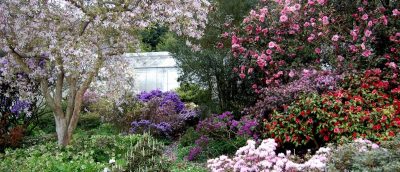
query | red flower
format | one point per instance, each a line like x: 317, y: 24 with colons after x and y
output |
x: 391, y: 134
x: 377, y: 127
x: 326, y: 138
x: 384, y: 118
x: 310, y: 121
x: 396, y: 90
x: 354, y: 135
x: 297, y: 120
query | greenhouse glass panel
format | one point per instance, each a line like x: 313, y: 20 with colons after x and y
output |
x: 155, y: 70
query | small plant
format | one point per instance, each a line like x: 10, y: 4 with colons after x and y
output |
x: 146, y: 155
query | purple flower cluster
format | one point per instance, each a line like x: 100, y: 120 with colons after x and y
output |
x: 167, y: 98
x: 162, y: 128
x: 309, y: 81
x: 194, y: 153
x: 19, y: 106
x: 188, y: 115
x: 222, y: 126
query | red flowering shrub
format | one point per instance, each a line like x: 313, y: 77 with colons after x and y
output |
x: 366, y: 106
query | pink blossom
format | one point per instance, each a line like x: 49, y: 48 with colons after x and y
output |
x: 368, y: 33
x: 335, y: 38
x: 283, y: 18
x: 396, y: 12
x: 262, y: 18
x: 325, y: 20
x: 392, y: 65
x: 321, y: 2
x: 366, y: 53
x: 311, y: 2
x: 250, y: 70
x: 306, y: 24
x: 271, y: 44
x: 318, y: 50
x: 364, y: 17
x: 242, y: 75
x: 340, y: 58
x: 297, y: 6
x: 269, y: 51
x: 291, y: 73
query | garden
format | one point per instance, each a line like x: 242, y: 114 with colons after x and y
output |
x: 265, y: 85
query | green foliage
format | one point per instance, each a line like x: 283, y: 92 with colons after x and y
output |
x: 349, y: 158
x: 152, y: 37
x: 211, y: 68
x: 120, y: 117
x: 193, y: 93
x: 84, y: 154
x: 189, y: 137
x: 146, y: 155
x: 89, y: 121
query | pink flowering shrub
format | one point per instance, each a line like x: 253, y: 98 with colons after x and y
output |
x: 264, y: 158
x: 282, y: 35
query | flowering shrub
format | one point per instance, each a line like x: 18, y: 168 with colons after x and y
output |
x: 163, y: 114
x: 363, y: 155
x: 16, y: 113
x: 222, y: 128
x: 366, y: 106
x: 309, y: 81
x: 281, y: 35
x: 263, y: 158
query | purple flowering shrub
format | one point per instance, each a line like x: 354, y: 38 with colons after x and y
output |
x: 163, y: 114
x: 16, y: 114
x: 307, y: 82
x: 222, y: 133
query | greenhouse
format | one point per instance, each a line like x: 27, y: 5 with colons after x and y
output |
x: 154, y: 70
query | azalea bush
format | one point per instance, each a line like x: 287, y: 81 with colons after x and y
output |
x: 163, y: 114
x: 222, y: 133
x: 307, y: 82
x: 367, y: 106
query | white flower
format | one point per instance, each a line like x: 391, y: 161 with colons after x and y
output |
x: 112, y: 161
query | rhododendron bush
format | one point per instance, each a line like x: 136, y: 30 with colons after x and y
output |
x: 64, y: 44
x: 367, y: 107
x: 264, y: 158
x: 281, y: 36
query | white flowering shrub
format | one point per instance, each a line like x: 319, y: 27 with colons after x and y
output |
x: 263, y: 158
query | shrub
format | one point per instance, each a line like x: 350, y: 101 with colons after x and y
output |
x: 309, y: 81
x: 162, y: 114
x: 363, y: 155
x: 264, y: 158
x: 189, y: 137
x: 221, y: 134
x: 367, y: 106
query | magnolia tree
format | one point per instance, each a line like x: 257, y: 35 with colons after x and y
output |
x: 282, y: 36
x: 64, y: 43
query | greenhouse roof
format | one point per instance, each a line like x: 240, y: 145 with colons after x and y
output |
x: 151, y: 60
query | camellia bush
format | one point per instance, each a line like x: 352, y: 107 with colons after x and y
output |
x: 366, y: 106
x: 281, y: 36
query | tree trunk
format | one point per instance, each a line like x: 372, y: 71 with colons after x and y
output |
x: 61, y: 129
